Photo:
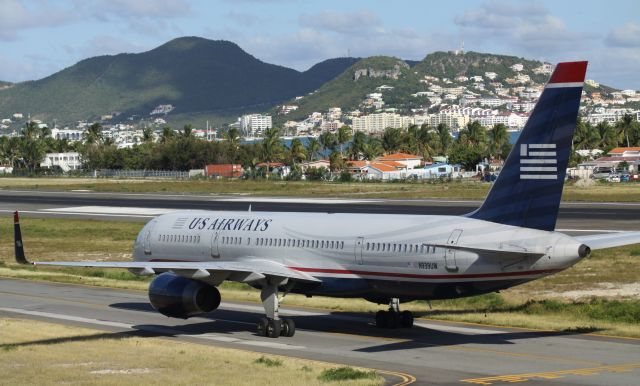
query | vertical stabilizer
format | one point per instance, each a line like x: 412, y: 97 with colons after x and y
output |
x: 528, y: 190
x: 17, y: 235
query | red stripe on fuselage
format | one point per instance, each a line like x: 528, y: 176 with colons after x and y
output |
x: 419, y: 276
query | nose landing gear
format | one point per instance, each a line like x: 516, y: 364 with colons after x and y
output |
x: 394, y: 318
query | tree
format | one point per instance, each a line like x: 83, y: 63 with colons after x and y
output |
x: 313, y: 148
x: 608, y: 136
x: 392, y: 139
x: 272, y: 148
x: 498, y: 137
x: 328, y: 141
x: 626, y: 127
x: 147, y: 135
x: 344, y: 136
x: 336, y: 163
x: 372, y: 149
x: 356, y: 149
x: 232, y: 136
x: 93, y: 135
x: 586, y: 136
x: 167, y: 134
x: 445, y: 137
x: 297, y: 152
x: 31, y: 146
x: 187, y: 131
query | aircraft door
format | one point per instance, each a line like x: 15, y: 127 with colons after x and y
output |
x: 147, y: 237
x: 215, y: 249
x: 358, y: 250
x: 450, y: 253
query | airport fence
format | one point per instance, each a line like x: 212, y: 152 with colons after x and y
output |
x: 118, y: 173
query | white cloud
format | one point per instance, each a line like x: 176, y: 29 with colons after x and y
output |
x: 355, y: 23
x: 16, y: 16
x: 627, y: 35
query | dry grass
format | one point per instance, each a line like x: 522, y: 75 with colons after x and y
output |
x: 46, y: 353
x: 620, y: 192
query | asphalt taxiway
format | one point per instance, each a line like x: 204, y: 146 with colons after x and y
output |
x: 430, y: 353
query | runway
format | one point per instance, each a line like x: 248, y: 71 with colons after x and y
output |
x: 431, y: 352
x: 573, y: 216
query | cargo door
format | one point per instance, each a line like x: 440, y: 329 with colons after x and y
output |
x: 450, y: 253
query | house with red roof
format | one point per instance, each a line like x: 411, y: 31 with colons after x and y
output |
x: 411, y: 161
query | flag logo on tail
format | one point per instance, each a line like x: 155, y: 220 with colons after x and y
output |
x: 538, y: 161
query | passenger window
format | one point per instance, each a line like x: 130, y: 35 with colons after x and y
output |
x: 342, y: 245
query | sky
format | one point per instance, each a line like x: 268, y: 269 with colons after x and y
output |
x: 41, y: 37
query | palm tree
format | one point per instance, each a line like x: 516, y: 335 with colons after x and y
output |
x: 93, y: 134
x: 187, y: 131
x: 357, y: 145
x: 147, y: 135
x: 30, y: 131
x: 272, y: 149
x: 498, y: 137
x: 607, y: 134
x: 313, y: 148
x: 372, y: 149
x: 328, y: 141
x: 233, y: 143
x: 344, y: 135
x: 392, y: 139
x: 297, y: 151
x: 626, y: 126
x: 167, y: 134
x: 445, y: 137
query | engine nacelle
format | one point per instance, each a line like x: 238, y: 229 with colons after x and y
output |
x: 179, y: 297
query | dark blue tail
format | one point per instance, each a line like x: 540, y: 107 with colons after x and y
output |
x: 528, y: 190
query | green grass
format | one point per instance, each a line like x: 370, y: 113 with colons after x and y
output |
x: 268, y: 362
x: 345, y: 374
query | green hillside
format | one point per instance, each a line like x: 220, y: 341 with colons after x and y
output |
x: 347, y: 92
x: 193, y: 74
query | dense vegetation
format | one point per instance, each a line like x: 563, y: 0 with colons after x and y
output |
x: 183, y: 151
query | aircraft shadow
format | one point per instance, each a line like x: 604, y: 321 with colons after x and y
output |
x: 232, y: 321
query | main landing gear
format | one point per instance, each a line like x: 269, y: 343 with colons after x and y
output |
x: 271, y: 325
x: 394, y: 318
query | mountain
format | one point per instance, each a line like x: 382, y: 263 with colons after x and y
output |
x: 407, y: 77
x: 193, y: 74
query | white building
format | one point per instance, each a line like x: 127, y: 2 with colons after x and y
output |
x: 517, y: 67
x: 66, y: 161
x: 379, y: 122
x: 254, y: 124
x: 69, y: 134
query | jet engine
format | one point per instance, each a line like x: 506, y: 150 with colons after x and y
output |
x: 179, y: 297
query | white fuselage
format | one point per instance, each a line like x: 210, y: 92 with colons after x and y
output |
x: 366, y: 255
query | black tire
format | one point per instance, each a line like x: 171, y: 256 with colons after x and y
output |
x: 274, y: 327
x: 262, y: 326
x: 392, y: 319
x: 381, y: 319
x: 288, y: 328
x: 406, y: 319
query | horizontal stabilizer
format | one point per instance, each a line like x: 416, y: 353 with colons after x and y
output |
x: 610, y: 240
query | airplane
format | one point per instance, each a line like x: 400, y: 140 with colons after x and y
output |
x: 383, y: 258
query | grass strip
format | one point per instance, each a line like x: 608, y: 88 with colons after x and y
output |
x: 35, y: 352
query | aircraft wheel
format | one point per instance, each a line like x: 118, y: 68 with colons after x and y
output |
x: 288, y: 328
x: 262, y: 326
x: 392, y: 319
x: 381, y: 319
x: 274, y: 327
x: 406, y: 319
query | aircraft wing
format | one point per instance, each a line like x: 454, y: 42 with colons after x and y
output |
x: 243, y: 270
x: 609, y: 240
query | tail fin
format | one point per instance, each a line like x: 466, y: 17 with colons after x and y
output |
x: 528, y: 190
x: 17, y: 234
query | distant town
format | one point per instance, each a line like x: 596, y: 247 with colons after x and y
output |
x: 456, y: 105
